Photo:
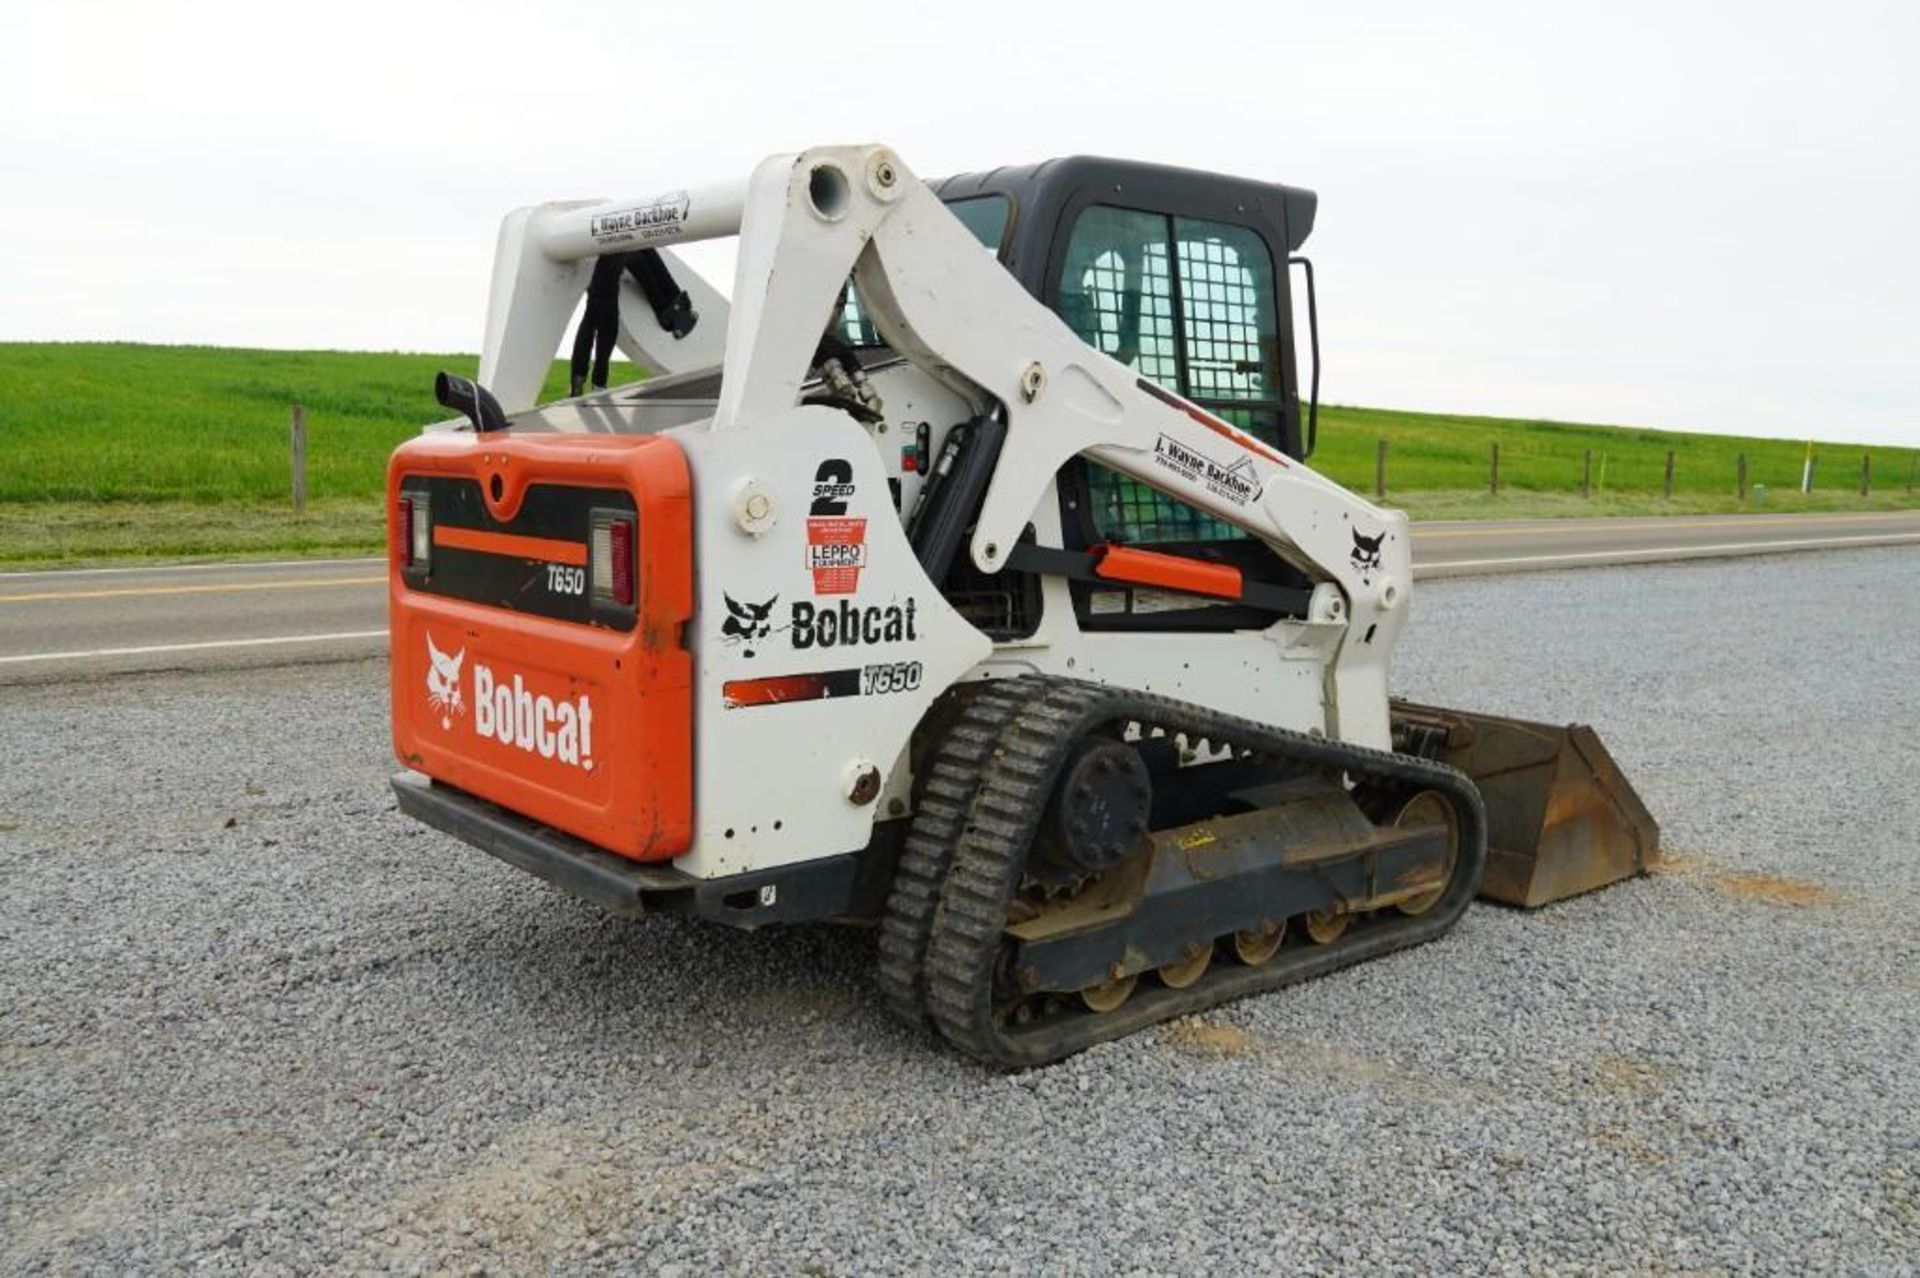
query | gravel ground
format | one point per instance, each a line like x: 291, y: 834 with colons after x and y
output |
x: 251, y: 1020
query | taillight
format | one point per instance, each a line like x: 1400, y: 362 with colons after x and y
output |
x: 613, y: 559
x: 413, y: 519
x: 622, y: 532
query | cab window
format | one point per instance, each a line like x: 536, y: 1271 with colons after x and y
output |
x: 1190, y: 304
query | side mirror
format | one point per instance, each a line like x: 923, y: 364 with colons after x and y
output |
x: 1313, y: 341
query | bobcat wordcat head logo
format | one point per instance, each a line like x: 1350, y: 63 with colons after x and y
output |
x: 747, y: 622
x: 443, y: 683
x: 1366, y: 551
x: 507, y: 711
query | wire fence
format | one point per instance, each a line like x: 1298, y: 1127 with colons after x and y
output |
x: 1749, y: 475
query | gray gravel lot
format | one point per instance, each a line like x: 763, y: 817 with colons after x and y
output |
x: 253, y: 1021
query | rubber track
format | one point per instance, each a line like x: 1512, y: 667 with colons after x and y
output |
x: 940, y: 809
x: 987, y: 853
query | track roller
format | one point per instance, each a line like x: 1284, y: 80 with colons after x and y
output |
x: 1254, y: 946
x: 1324, y: 927
x: 1108, y: 997
x: 1178, y: 976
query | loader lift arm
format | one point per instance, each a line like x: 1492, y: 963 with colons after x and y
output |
x: 808, y: 221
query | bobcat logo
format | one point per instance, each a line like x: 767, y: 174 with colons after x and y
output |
x: 1366, y: 551
x: 747, y: 622
x: 443, y: 683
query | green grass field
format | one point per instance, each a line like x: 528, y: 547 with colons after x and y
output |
x: 124, y: 423
x: 115, y: 451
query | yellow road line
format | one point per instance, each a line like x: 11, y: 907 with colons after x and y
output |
x: 1678, y: 523
x: 340, y: 636
x: 235, y: 587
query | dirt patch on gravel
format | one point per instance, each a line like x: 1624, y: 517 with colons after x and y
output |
x: 1193, y: 1037
x: 1774, y: 889
x: 1777, y: 889
x: 1630, y: 1145
x: 1630, y: 1075
x: 525, y: 1203
x: 801, y: 1002
x: 1202, y: 1039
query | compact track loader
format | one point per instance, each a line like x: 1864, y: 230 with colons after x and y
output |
x: 962, y: 574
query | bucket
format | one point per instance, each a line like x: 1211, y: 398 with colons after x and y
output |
x: 1561, y: 818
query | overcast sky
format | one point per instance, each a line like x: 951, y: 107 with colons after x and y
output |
x: 1698, y: 216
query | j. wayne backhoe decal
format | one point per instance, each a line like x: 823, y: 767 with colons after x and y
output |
x: 506, y: 710
x: 662, y: 218
x: 1236, y: 481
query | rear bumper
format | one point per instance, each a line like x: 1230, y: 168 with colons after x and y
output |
x: 838, y: 887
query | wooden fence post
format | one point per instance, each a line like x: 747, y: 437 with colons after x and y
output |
x: 1866, y: 474
x: 1494, y: 471
x: 1669, y: 474
x: 299, y: 460
x: 1380, y: 471
x: 1743, y: 476
x: 1586, y: 476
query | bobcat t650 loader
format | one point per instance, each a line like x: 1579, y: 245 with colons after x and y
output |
x: 961, y: 575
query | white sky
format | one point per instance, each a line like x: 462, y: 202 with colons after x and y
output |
x: 1700, y: 216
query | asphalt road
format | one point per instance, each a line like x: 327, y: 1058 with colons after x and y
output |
x: 78, y: 624
x: 1462, y: 549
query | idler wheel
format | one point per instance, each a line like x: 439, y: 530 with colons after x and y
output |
x: 1430, y: 807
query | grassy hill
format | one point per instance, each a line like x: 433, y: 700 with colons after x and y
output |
x: 113, y: 422
x: 115, y: 449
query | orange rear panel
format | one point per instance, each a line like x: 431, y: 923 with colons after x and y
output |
x: 581, y: 724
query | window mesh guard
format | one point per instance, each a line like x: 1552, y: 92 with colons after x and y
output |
x: 1125, y: 305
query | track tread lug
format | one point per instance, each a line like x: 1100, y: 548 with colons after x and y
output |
x: 913, y: 899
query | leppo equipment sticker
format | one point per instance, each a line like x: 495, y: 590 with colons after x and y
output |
x: 836, y: 552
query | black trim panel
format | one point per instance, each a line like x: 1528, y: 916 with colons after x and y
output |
x: 550, y: 512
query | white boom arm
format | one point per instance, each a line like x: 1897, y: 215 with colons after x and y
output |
x: 807, y: 221
x: 540, y: 269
